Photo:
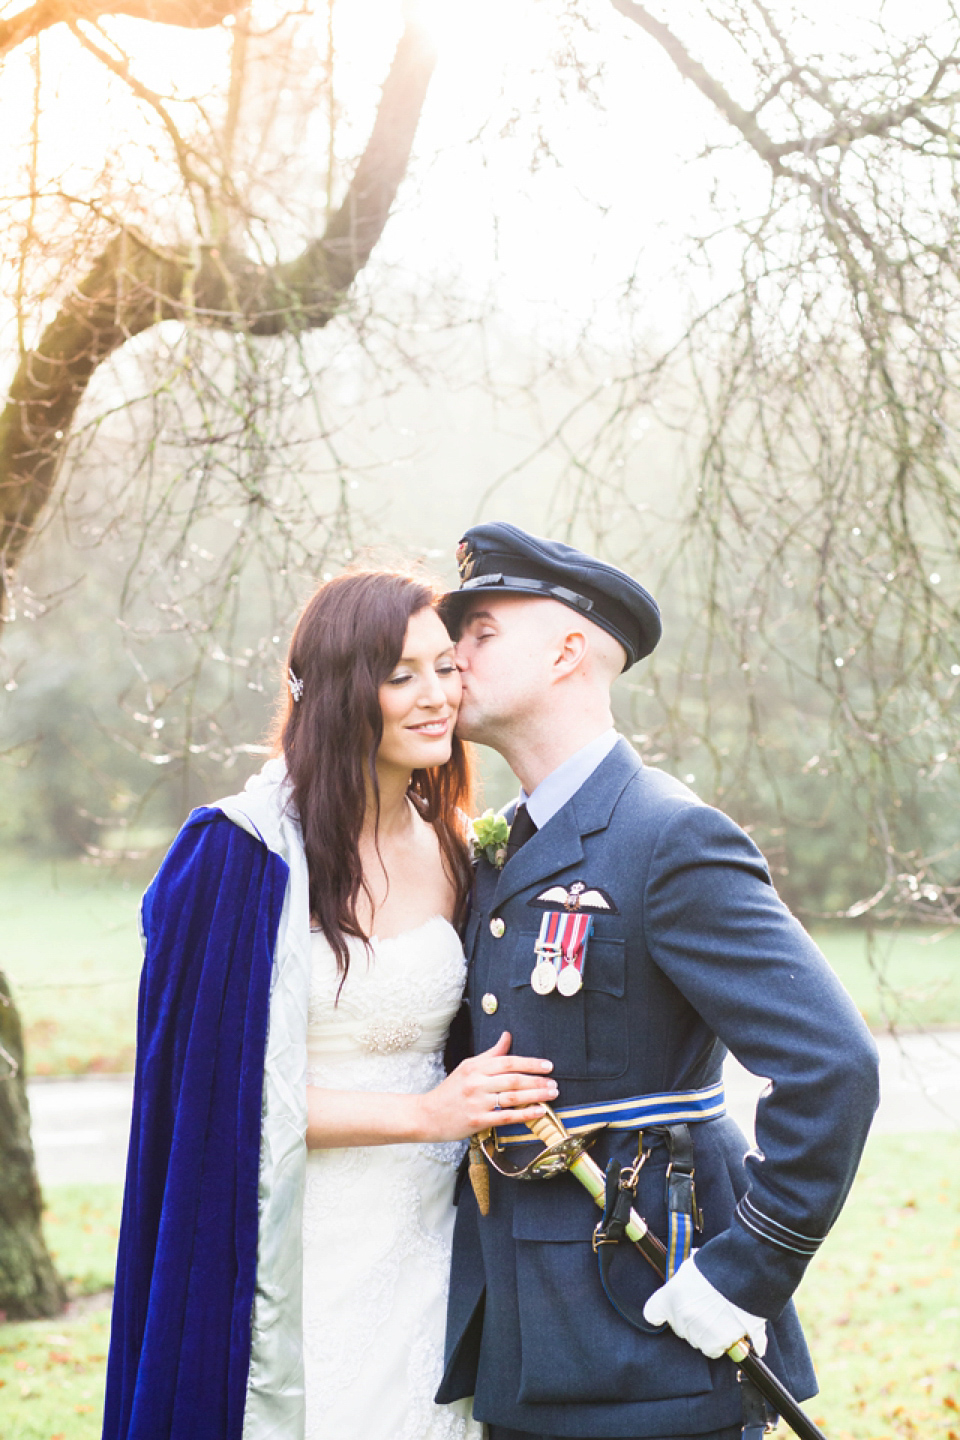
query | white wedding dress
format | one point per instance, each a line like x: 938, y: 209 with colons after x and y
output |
x: 378, y: 1219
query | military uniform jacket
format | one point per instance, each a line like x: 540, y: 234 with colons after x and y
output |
x: 697, y: 955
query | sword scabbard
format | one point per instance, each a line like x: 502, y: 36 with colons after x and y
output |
x: 551, y: 1131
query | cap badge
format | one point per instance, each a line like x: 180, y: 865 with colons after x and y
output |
x: 466, y: 560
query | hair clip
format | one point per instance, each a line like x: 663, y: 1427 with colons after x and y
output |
x: 296, y: 685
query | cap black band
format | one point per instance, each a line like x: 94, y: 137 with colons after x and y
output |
x: 530, y: 587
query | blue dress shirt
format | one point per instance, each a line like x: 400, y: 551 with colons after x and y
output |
x: 556, y: 789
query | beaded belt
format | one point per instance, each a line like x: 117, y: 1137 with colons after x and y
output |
x: 671, y: 1107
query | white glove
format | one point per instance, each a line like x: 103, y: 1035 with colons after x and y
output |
x: 702, y: 1316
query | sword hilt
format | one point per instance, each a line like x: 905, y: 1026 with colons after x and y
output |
x: 549, y: 1129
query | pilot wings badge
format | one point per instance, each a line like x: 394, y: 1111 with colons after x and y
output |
x: 580, y: 897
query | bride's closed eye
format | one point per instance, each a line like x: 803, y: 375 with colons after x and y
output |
x: 445, y: 667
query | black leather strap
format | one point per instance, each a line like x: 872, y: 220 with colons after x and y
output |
x: 681, y: 1194
x: 607, y: 1236
x: 758, y: 1418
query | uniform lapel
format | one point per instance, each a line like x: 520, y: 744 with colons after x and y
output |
x: 559, y: 844
x: 486, y: 883
x: 552, y: 848
x: 597, y: 796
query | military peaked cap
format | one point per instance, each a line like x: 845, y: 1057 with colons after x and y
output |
x: 501, y: 559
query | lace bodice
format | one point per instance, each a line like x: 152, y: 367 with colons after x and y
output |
x: 398, y: 997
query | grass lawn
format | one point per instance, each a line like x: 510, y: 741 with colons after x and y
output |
x: 81, y: 1224
x: 51, y: 1377
x: 69, y: 943
x: 71, y: 949
x: 881, y: 1302
x: 52, y: 1371
x: 880, y: 1305
x: 908, y: 977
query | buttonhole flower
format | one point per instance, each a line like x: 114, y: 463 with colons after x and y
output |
x: 489, y: 834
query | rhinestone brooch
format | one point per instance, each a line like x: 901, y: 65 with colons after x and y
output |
x: 386, y: 1038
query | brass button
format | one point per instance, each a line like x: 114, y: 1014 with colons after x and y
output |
x: 497, y: 927
x: 489, y: 1004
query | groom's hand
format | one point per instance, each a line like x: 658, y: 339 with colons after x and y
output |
x: 697, y: 1312
x: 492, y: 1088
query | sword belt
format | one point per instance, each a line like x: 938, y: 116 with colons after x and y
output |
x: 638, y: 1112
x: 661, y: 1118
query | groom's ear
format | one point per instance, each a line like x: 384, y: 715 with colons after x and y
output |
x: 571, y: 653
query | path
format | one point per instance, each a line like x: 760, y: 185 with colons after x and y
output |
x: 80, y: 1126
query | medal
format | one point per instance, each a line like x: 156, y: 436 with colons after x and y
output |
x: 543, y: 978
x: 561, y: 949
x: 569, y: 980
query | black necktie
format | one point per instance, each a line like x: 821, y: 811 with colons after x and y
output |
x: 520, y: 831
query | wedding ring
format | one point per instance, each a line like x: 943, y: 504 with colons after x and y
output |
x: 496, y: 1102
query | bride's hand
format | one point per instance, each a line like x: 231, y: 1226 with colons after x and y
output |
x: 493, y: 1088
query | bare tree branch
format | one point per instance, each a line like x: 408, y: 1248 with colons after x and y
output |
x: 744, y: 120
x: 192, y: 14
x: 120, y: 66
x: 844, y: 133
x: 134, y: 285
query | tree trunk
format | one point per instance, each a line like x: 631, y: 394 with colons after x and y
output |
x: 29, y: 1285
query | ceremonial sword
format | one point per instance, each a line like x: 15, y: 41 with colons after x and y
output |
x: 551, y: 1131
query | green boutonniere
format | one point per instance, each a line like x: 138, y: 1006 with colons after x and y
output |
x: 490, y: 834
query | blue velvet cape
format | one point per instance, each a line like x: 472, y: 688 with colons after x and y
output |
x: 187, y: 1260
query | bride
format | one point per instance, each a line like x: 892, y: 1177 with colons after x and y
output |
x: 284, y: 1252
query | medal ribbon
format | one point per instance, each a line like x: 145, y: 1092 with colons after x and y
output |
x: 574, y: 931
x: 563, y: 938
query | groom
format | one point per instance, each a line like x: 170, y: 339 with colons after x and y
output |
x: 632, y: 936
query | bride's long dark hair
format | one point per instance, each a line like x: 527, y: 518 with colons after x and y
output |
x: 347, y: 641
